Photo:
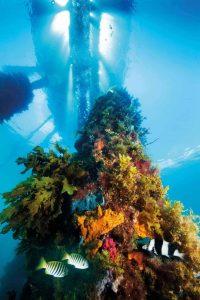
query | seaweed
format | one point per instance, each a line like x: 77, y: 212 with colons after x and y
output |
x: 38, y: 209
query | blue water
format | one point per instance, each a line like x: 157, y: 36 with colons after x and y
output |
x: 184, y: 184
x: 162, y: 70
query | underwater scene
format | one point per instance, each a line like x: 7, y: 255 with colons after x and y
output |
x: 100, y: 149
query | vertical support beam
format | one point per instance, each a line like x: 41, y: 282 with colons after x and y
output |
x: 80, y: 56
x: 94, y: 44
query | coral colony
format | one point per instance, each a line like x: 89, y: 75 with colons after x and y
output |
x: 99, y: 221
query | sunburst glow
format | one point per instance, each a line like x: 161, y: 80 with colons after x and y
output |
x: 61, y: 2
x: 61, y: 23
x: 106, y: 35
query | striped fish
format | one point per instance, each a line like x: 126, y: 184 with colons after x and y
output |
x: 162, y: 248
x: 76, y: 260
x: 197, y: 276
x: 54, y: 268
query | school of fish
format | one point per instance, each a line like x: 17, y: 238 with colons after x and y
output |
x: 59, y: 268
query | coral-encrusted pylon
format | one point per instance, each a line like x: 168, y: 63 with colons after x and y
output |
x: 104, y: 202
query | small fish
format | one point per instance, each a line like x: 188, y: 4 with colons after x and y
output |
x: 54, y: 268
x: 162, y: 248
x: 76, y: 260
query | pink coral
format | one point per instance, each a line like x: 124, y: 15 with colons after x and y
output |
x: 144, y: 166
x: 110, y: 245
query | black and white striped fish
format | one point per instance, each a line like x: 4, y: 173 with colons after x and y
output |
x: 162, y: 248
x: 54, y: 268
x: 76, y: 260
x: 197, y: 276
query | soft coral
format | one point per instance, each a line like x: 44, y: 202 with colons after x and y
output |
x: 144, y: 166
x: 110, y: 245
